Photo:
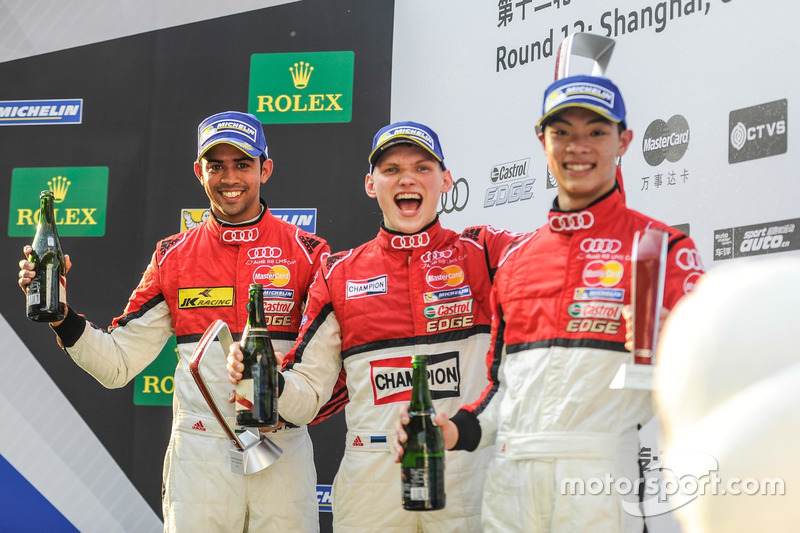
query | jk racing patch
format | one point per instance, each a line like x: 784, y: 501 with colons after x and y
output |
x: 205, y: 297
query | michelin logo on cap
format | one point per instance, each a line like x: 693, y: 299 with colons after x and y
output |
x: 581, y: 90
x: 418, y: 134
x: 217, y: 127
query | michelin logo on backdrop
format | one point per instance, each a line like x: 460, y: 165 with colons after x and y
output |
x: 40, y: 112
x: 758, y: 131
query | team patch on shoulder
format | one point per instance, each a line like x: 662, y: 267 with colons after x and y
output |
x: 166, y: 244
x: 472, y: 233
x: 310, y: 243
x: 333, y: 259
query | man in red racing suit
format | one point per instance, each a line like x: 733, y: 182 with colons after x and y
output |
x: 416, y: 288
x: 558, y: 336
x: 194, y: 278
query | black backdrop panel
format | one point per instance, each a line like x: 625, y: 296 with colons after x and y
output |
x: 143, y: 97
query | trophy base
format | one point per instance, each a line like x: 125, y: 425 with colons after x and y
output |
x: 259, y: 452
x: 634, y: 377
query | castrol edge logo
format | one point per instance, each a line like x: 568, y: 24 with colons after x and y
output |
x: 461, y: 307
x: 272, y: 275
x: 278, y: 307
x: 441, y: 277
x: 595, y: 310
x: 603, y: 273
x: 391, y: 378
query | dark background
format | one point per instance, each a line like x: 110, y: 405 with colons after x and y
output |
x: 143, y: 97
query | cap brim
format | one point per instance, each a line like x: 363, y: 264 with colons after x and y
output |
x: 399, y: 139
x: 246, y: 148
x: 602, y: 111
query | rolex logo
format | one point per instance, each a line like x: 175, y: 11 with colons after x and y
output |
x: 59, y: 186
x: 301, y: 73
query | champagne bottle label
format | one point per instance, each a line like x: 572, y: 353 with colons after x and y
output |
x: 244, y: 395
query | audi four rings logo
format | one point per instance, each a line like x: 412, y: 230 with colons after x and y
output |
x: 402, y: 242
x: 572, y: 221
x: 240, y: 235
x: 435, y: 255
x: 600, y: 246
x: 689, y: 260
x: 456, y: 198
x: 264, y: 252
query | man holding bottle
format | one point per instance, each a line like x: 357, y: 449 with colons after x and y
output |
x: 195, y: 278
x: 417, y: 289
x: 558, y: 338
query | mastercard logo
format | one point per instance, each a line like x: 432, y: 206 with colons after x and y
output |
x: 603, y: 273
x: 449, y: 276
x: 272, y: 276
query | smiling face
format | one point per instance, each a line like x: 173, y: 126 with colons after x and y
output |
x: 581, y: 148
x: 232, y: 180
x: 407, y: 181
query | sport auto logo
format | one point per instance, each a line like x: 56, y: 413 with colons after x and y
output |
x: 665, y: 140
x: 572, y: 221
x: 456, y: 198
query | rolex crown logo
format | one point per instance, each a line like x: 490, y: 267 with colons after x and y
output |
x: 59, y: 186
x: 301, y: 73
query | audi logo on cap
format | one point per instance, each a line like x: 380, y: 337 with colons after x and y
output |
x: 572, y: 221
x: 689, y: 259
x: 264, y: 252
x: 456, y: 198
x: 240, y: 235
x: 403, y: 242
x: 600, y: 246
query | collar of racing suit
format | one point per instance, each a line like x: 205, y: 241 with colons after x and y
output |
x: 394, y: 240
x: 242, y: 233
x: 568, y: 222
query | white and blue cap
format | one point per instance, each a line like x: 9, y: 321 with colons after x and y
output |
x: 242, y: 130
x: 595, y: 93
x: 406, y: 133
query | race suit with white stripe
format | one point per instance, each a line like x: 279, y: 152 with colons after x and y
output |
x: 557, y: 341
x: 370, y: 310
x: 193, y: 279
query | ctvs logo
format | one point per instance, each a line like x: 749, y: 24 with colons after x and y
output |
x: 758, y: 131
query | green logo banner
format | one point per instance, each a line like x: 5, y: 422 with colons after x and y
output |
x: 80, y: 200
x: 307, y: 87
x: 155, y: 384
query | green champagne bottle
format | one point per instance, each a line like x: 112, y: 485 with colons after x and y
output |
x: 423, y: 458
x: 257, y: 391
x: 47, y: 292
